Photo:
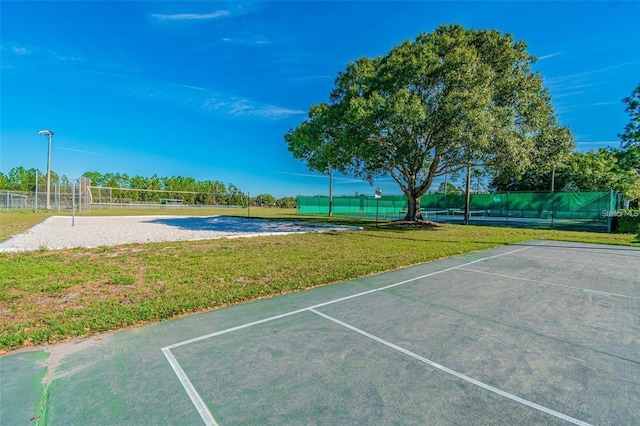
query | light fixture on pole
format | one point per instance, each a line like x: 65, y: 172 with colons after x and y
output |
x: 48, y: 134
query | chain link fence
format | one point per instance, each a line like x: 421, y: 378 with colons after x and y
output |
x: 61, y: 198
x: 81, y: 196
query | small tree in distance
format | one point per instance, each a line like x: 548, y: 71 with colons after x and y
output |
x: 286, y: 202
x: 447, y: 188
x: 449, y: 100
x: 264, y: 200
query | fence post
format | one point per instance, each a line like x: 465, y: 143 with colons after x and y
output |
x: 553, y: 200
x: 73, y: 204
x: 609, y: 215
x: 35, y: 200
x: 507, y: 208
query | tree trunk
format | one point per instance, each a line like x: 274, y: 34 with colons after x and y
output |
x: 414, y: 192
x: 413, y: 208
x: 467, y: 195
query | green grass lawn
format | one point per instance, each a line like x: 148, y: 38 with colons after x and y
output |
x: 49, y: 296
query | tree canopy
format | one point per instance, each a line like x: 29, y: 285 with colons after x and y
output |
x: 617, y: 168
x: 631, y: 136
x: 581, y: 171
x: 21, y: 179
x: 450, y: 99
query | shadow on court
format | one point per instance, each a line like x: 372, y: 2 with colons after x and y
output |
x: 534, y: 333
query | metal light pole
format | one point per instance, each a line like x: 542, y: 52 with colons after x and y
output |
x: 467, y: 202
x: 49, y: 135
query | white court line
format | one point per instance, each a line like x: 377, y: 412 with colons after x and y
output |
x: 239, y: 327
x: 197, y: 401
x: 584, y: 290
x: 364, y: 293
x: 455, y: 373
x: 204, y: 412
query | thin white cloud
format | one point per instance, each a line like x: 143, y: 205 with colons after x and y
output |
x: 606, y: 103
x: 276, y: 112
x: 349, y: 181
x: 337, y: 179
x: 191, y: 16
x: 192, y: 87
x: 574, y: 77
x: 252, y: 40
x: 551, y: 55
x: 564, y: 95
x: 19, y: 50
x: 242, y: 107
x: 40, y: 53
x: 77, y: 150
x: 303, y: 175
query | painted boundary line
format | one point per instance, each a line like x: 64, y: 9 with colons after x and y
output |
x: 612, y: 250
x: 584, y: 290
x: 342, y: 299
x: 195, y: 397
x: 455, y: 373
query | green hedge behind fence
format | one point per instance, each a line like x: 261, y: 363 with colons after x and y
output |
x: 628, y: 221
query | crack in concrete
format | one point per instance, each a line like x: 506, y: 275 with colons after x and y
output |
x: 57, y: 353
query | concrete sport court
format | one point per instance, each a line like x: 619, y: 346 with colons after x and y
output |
x: 541, y: 332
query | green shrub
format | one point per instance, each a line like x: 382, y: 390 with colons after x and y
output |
x: 628, y: 221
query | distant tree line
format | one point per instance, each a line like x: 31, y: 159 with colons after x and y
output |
x: 160, y: 188
x: 581, y: 171
x: 595, y: 170
x: 268, y: 200
x: 21, y: 179
x: 154, y: 189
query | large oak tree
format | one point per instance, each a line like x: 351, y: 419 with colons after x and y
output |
x: 450, y: 99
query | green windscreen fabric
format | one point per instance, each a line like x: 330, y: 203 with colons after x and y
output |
x: 362, y: 204
x: 541, y: 205
x: 563, y: 205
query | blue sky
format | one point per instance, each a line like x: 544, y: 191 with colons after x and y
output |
x: 208, y: 89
